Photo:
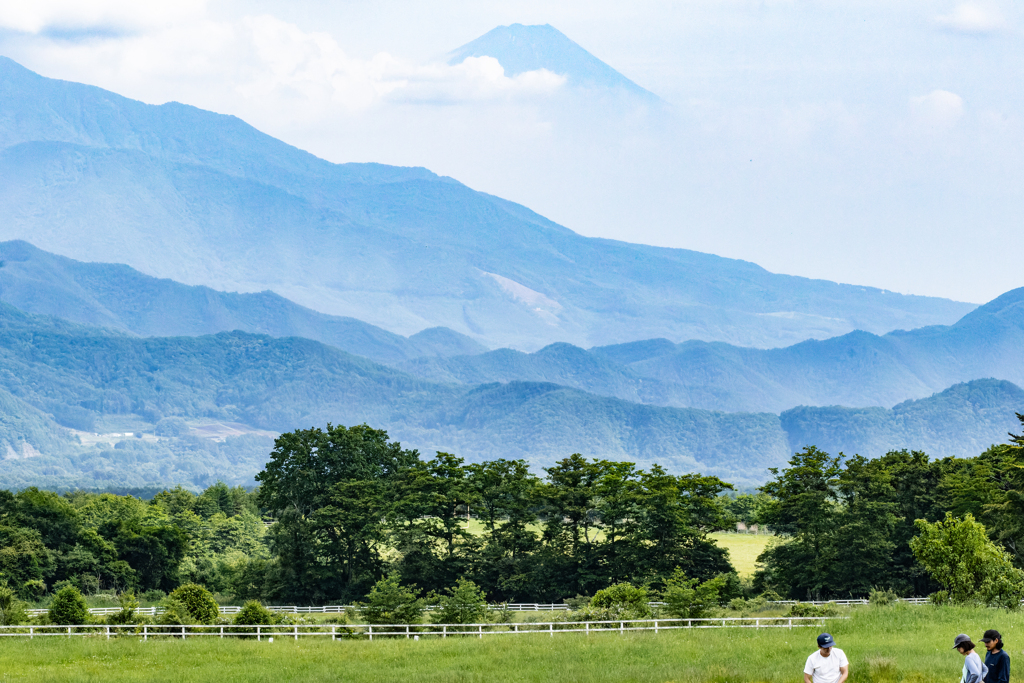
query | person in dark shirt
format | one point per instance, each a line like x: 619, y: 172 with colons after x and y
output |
x: 997, y: 661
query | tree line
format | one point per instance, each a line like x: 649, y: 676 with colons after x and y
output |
x: 342, y: 511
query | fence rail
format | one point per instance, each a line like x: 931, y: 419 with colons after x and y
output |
x: 416, y: 631
x: 512, y: 607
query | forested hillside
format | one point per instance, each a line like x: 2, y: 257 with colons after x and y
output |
x: 858, y: 369
x: 95, y: 380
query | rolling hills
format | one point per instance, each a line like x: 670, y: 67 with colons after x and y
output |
x: 61, y: 383
x: 204, y: 199
x: 121, y: 298
x: 858, y: 369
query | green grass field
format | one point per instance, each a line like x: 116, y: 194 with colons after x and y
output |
x: 743, y: 549
x: 884, y: 645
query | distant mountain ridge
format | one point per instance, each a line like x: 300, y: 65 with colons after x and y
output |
x: 858, y: 369
x: 204, y: 199
x: 91, y: 379
x: 520, y: 48
x: 116, y: 296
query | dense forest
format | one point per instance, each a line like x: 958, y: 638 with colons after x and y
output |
x: 339, y: 509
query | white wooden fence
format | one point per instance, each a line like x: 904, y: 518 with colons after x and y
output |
x: 416, y: 631
x: 512, y: 607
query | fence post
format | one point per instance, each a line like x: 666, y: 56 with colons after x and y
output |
x: 259, y: 637
x: 655, y: 626
x: 221, y: 631
x: 296, y: 627
x: 622, y: 626
x: 371, y: 631
x: 551, y: 628
x: 183, y: 632
x: 587, y: 627
x: 444, y: 631
x: 333, y: 638
x: 69, y: 631
x: 31, y: 633
x: 145, y: 632
x: 407, y: 631
x: 516, y: 628
x: 481, y: 631
x: 689, y: 623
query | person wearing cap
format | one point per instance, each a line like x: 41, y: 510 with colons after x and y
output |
x: 827, y: 664
x: 997, y: 661
x: 974, y: 670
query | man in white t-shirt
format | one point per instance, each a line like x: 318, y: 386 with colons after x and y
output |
x: 828, y: 664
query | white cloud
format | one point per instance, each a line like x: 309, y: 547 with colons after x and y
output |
x: 939, y: 110
x: 972, y: 18
x: 275, y: 65
x: 97, y: 15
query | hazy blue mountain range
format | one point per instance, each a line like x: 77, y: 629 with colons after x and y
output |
x: 90, y: 378
x: 57, y: 377
x: 858, y: 369
x: 963, y: 420
x: 116, y: 296
x: 520, y: 48
x: 204, y: 199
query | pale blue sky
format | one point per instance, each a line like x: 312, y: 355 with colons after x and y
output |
x: 876, y: 143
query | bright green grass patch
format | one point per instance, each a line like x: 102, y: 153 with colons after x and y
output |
x: 743, y: 549
x: 885, y: 645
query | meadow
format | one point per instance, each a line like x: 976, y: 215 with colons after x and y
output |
x: 743, y: 549
x: 884, y: 644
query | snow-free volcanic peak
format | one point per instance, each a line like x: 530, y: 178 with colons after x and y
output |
x: 520, y: 48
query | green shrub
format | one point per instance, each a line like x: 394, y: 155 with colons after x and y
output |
x: 253, y: 613
x: 12, y: 610
x: 68, y: 607
x: 389, y: 602
x: 807, y: 609
x: 153, y: 596
x: 878, y: 596
x: 623, y: 599
x: 175, y: 613
x: 197, y: 601
x: 689, y: 599
x: 127, y: 615
x: 464, y: 604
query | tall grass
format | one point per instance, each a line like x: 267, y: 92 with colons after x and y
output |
x: 900, y: 644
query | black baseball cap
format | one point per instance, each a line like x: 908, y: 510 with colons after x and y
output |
x: 960, y: 640
x: 991, y: 635
x: 826, y: 640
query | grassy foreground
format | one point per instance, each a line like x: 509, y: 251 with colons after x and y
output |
x: 885, y: 645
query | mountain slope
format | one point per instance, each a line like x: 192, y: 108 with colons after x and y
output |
x: 961, y: 421
x: 204, y: 199
x: 521, y: 48
x: 82, y: 374
x: 119, y: 297
x: 856, y: 369
x: 98, y: 380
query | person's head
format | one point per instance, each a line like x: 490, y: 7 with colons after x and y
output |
x: 993, y: 640
x: 825, y: 644
x: 962, y: 643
